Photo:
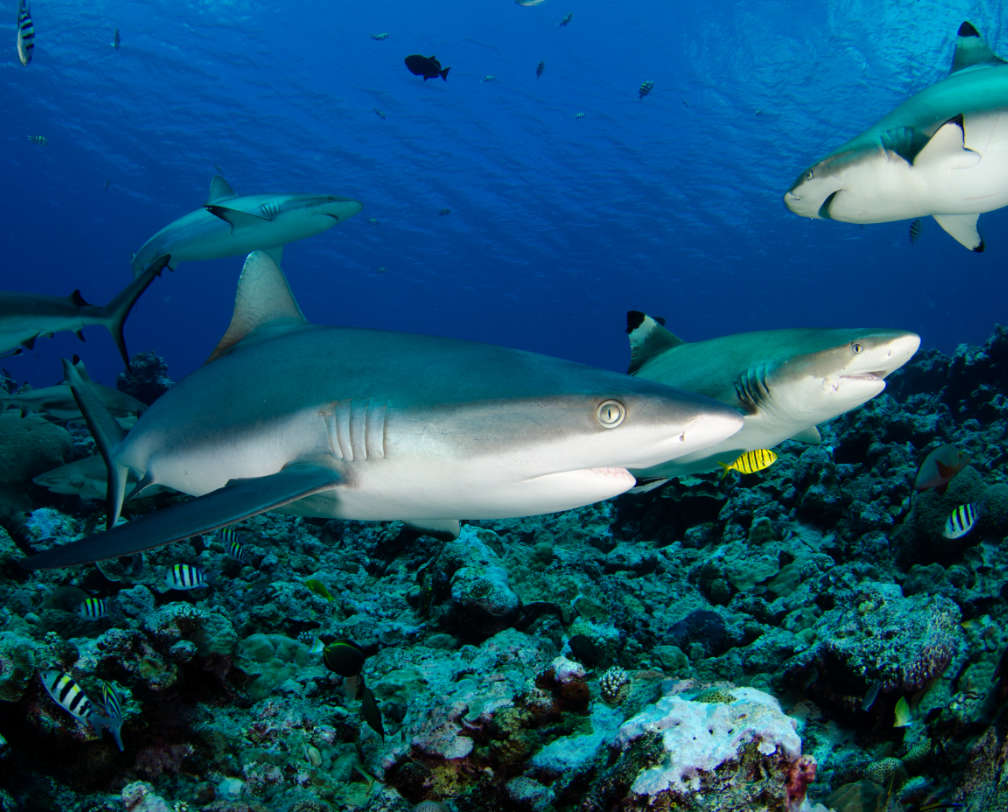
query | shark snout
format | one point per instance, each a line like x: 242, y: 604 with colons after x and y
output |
x: 340, y: 208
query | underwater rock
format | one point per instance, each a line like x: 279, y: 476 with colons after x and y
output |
x: 139, y: 796
x: 18, y: 657
x: 593, y: 643
x: 146, y: 378
x: 30, y: 445
x: 273, y: 659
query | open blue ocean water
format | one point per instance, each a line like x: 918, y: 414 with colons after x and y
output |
x: 571, y: 199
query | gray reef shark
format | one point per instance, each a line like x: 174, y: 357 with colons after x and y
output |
x: 784, y: 382
x: 374, y: 425
x: 229, y: 225
x: 943, y: 152
x: 85, y: 478
x: 24, y: 317
x: 58, y: 403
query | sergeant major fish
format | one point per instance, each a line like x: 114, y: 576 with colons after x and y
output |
x: 25, y: 33
x: 66, y: 693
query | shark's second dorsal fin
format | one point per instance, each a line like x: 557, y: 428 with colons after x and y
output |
x: 971, y: 50
x: 647, y: 339
x: 220, y: 189
x: 263, y: 297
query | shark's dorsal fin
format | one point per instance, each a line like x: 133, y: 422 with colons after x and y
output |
x: 77, y: 299
x: 971, y: 50
x: 263, y: 297
x: 220, y: 189
x: 647, y: 339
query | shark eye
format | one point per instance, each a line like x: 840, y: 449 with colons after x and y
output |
x: 856, y: 347
x: 610, y: 413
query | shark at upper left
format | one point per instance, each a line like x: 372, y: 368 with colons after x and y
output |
x: 943, y: 153
x: 229, y: 225
x: 25, y: 317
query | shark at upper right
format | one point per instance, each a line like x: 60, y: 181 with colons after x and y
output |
x: 943, y: 153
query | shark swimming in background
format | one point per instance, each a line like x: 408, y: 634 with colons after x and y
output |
x: 229, y: 225
x: 374, y: 425
x: 943, y: 152
x: 784, y: 382
x: 24, y: 317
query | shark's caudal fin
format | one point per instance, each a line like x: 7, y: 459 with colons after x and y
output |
x: 117, y: 311
x: 971, y: 50
x: 106, y: 431
x: 263, y: 298
x: 647, y: 339
x: 237, y: 500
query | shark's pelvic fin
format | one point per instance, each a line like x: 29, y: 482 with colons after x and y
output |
x: 237, y: 500
x: 971, y: 49
x: 220, y: 189
x: 234, y: 217
x: 810, y: 435
x: 451, y: 527
x: 963, y: 229
x: 647, y: 339
x: 106, y: 431
x: 263, y: 297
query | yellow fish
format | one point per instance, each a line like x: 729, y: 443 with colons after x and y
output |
x: 901, y: 714
x: 750, y: 462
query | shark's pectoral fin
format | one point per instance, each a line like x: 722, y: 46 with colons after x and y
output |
x: 449, y: 527
x: 234, y: 217
x: 220, y: 190
x: 947, y: 148
x: 237, y: 500
x: 647, y: 487
x: 810, y: 435
x: 963, y: 229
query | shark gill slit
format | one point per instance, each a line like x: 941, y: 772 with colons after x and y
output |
x: 356, y: 431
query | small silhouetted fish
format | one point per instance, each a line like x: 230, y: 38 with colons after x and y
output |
x: 915, y: 229
x: 426, y: 66
x: 379, y: 113
x: 644, y: 89
x: 528, y: 2
x: 381, y: 36
x: 25, y: 33
x: 93, y: 608
x: 116, y: 40
x: 567, y: 18
x: 185, y: 576
x: 961, y: 521
x: 41, y: 140
x: 444, y: 212
x: 579, y: 115
x: 489, y: 77
x: 540, y: 68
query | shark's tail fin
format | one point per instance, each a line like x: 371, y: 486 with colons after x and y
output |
x: 117, y: 311
x: 106, y: 431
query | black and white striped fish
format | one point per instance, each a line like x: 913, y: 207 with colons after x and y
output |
x: 232, y: 545
x: 961, y: 521
x: 93, y: 608
x: 113, y: 712
x: 185, y: 576
x: 25, y: 33
x: 66, y: 693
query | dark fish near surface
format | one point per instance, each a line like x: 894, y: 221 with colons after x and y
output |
x: 41, y: 140
x: 644, y: 89
x: 569, y: 16
x: 540, y: 68
x: 115, y: 40
x: 25, y: 33
x: 426, y: 66
x: 915, y: 229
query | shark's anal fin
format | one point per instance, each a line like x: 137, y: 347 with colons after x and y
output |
x: 237, y: 500
x: 971, y: 50
x: 648, y: 338
x: 448, y: 527
x: 810, y: 435
x: 963, y: 229
x: 235, y: 218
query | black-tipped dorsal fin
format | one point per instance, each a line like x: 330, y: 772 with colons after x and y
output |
x: 220, y: 189
x: 77, y: 299
x: 971, y: 50
x: 263, y: 297
x: 647, y: 339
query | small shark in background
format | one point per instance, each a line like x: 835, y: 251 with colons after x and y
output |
x: 26, y: 316
x: 57, y: 402
x: 229, y: 225
x: 943, y: 152
x: 375, y: 425
x: 784, y: 382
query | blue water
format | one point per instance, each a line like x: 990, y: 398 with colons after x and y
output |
x: 558, y: 224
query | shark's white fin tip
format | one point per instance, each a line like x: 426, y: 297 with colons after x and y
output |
x: 263, y: 297
x: 648, y: 338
